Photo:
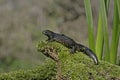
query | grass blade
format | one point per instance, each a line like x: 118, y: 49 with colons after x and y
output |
x: 90, y: 24
x: 115, y: 36
x: 105, y: 29
x: 99, y: 39
x: 107, y: 5
x: 118, y: 7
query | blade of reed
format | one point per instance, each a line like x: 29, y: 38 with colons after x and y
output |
x: 99, y: 39
x: 90, y: 24
x: 107, y: 5
x: 115, y: 35
x: 105, y: 30
x: 118, y: 6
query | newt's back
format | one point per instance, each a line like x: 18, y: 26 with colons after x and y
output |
x: 61, y: 38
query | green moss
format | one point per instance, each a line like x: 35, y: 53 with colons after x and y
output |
x: 74, y: 67
x: 46, y: 71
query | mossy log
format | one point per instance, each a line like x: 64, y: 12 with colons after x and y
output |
x: 73, y: 67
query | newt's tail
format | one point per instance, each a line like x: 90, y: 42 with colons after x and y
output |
x: 89, y: 53
x: 92, y: 55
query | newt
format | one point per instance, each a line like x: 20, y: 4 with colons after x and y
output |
x: 70, y: 43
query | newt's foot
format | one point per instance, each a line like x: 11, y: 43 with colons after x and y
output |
x: 72, y: 52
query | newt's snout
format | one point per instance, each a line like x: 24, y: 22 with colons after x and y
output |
x: 44, y: 32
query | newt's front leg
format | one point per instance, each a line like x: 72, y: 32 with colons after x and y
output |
x: 50, y: 39
x: 73, y: 50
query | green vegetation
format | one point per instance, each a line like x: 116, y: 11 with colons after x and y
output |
x: 103, y: 49
x: 90, y: 24
x: 46, y: 71
x: 116, y: 33
x: 105, y: 29
x: 74, y: 67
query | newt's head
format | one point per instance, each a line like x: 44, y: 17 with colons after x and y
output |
x: 47, y: 32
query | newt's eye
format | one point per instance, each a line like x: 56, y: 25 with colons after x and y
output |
x: 44, y: 32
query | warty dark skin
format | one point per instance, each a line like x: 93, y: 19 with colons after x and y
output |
x: 70, y: 43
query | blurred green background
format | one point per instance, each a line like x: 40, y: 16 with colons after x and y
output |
x: 21, y: 23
